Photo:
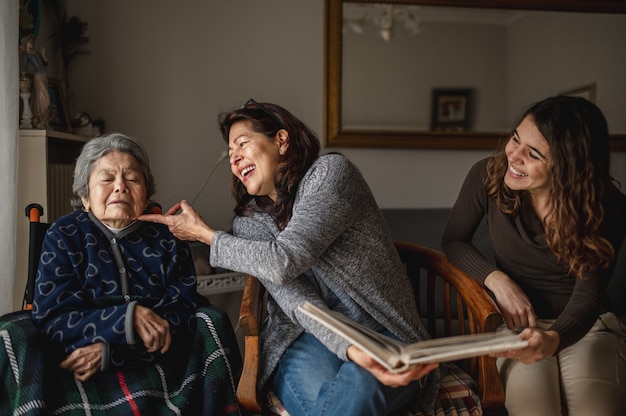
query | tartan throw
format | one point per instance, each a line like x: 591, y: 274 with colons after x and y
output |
x: 199, y: 382
x: 457, y: 397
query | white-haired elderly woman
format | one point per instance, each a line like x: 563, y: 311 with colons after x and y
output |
x: 112, y: 291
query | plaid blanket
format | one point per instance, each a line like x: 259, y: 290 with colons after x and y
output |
x: 198, y: 382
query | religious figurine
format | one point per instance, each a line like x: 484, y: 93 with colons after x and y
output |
x: 26, y: 114
x: 34, y: 62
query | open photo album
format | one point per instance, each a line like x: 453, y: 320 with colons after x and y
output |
x: 397, y: 356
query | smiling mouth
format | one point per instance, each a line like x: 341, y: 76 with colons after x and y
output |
x: 247, y: 170
x: 516, y: 172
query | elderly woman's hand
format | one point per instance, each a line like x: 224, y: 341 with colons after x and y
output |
x: 84, y: 362
x: 387, y: 378
x: 188, y: 225
x: 152, y: 329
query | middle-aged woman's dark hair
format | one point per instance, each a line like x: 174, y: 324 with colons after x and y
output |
x: 302, y: 150
x: 98, y: 147
x: 580, y: 181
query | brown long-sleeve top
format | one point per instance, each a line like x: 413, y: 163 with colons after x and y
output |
x: 522, y: 252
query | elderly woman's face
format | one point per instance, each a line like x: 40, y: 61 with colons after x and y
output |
x: 117, y: 190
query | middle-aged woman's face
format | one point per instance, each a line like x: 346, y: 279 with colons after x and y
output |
x: 117, y: 190
x: 528, y: 154
x: 254, y: 158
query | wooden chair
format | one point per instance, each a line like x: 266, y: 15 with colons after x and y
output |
x: 449, y: 301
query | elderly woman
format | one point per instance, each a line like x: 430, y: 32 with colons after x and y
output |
x: 115, y: 292
x: 117, y: 327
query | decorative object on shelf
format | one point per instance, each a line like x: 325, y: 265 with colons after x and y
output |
x: 69, y: 33
x: 59, y: 115
x: 451, y: 110
x: 25, y: 114
x: 34, y: 62
x: 81, y: 125
x: 84, y: 125
x: 30, y: 18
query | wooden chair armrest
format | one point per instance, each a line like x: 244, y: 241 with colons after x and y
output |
x: 486, y: 317
x: 483, y: 314
x: 251, y: 310
x: 250, y: 319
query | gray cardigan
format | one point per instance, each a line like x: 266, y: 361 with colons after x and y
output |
x: 335, y: 251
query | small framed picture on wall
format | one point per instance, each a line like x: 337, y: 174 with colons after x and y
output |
x: 59, y: 114
x: 451, y: 109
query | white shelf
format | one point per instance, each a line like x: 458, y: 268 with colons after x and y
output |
x: 52, y: 133
x: 39, y: 150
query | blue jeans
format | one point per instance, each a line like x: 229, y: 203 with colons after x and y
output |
x: 311, y: 380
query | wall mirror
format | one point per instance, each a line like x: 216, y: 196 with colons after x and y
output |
x: 456, y: 74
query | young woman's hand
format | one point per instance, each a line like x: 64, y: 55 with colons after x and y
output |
x: 541, y: 344
x: 512, y: 301
x: 387, y: 378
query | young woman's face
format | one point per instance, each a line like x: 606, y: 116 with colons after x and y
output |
x: 528, y: 154
x: 254, y: 158
x: 117, y: 190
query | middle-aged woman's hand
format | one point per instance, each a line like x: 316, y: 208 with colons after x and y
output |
x: 187, y: 225
x: 84, y: 362
x: 512, y: 301
x: 387, y: 378
x: 541, y: 344
x: 152, y: 329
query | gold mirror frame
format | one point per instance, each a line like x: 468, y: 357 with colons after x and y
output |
x: 337, y: 136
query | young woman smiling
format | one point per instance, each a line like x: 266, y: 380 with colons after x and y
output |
x: 556, y: 221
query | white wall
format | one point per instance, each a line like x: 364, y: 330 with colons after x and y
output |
x: 582, y: 50
x: 9, y: 114
x: 162, y: 70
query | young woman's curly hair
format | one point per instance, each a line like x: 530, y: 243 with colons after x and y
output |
x: 580, y: 181
x: 302, y: 150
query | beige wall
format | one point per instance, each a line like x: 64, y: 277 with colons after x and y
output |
x: 162, y: 71
x: 581, y: 50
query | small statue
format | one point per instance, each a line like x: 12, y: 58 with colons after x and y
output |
x: 26, y: 114
x: 40, y: 98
